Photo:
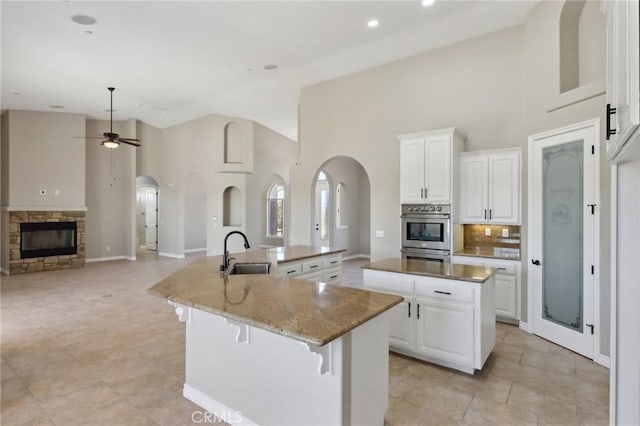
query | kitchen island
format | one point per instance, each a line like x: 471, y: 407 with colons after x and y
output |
x: 264, y: 349
x: 448, y: 313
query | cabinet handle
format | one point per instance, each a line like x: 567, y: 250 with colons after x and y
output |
x: 489, y: 214
x: 333, y: 277
x: 610, y: 111
x: 334, y: 262
x: 422, y: 193
x: 409, y: 309
x: 442, y: 292
x: 485, y: 214
x: 418, y: 311
x: 291, y: 272
x: 313, y: 266
x: 426, y: 193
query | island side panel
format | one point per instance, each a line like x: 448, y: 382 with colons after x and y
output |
x: 267, y: 378
x: 488, y: 319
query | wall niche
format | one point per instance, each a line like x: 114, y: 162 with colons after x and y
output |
x: 232, y: 207
x: 233, y: 143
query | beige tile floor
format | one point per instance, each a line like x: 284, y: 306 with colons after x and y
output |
x: 91, y: 347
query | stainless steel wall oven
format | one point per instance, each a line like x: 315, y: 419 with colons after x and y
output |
x: 426, y: 231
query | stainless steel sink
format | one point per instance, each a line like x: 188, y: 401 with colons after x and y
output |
x: 249, y: 268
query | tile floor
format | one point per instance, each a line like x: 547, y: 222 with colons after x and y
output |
x: 91, y: 347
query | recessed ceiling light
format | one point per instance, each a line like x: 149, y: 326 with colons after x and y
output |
x: 88, y: 32
x: 56, y: 106
x: 270, y: 67
x: 16, y: 93
x: 373, y: 23
x: 428, y: 2
x: 83, y: 19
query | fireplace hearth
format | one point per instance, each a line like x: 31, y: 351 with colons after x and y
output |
x: 47, y: 239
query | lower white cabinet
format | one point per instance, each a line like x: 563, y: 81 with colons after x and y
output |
x: 327, y: 268
x: 447, y: 322
x: 507, y: 284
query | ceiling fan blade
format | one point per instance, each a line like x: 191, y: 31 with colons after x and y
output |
x: 129, y: 139
x: 128, y: 142
x: 88, y: 137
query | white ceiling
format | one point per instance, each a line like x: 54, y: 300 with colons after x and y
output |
x: 175, y: 61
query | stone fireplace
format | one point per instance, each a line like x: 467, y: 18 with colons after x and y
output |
x: 46, y: 240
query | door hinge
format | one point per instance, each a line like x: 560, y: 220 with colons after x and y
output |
x: 591, y: 327
x: 593, y: 270
x: 593, y: 150
x: 593, y: 208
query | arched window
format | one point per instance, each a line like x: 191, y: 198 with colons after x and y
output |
x: 275, y: 210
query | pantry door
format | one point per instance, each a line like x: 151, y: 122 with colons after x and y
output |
x: 563, y: 243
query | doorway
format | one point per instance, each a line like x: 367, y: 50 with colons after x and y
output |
x: 146, y: 213
x: 564, y: 268
x: 322, y: 225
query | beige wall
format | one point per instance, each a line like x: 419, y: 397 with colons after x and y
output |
x: 148, y: 156
x: 497, y: 89
x: 274, y: 155
x: 110, y: 183
x: 42, y: 153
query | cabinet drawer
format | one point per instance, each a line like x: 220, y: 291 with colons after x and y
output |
x: 315, y: 277
x: 395, y: 283
x: 289, y: 269
x: 332, y: 261
x: 445, y: 290
x: 332, y: 276
x: 313, y: 265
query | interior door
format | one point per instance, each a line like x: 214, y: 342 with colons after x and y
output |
x: 322, y: 224
x: 563, y: 248
x: 151, y: 219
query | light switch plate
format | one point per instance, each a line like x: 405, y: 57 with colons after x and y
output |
x: 505, y: 232
x: 487, y: 232
x: 380, y: 234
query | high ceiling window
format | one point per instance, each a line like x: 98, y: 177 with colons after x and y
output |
x: 275, y: 210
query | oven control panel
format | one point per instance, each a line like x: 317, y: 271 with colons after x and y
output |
x: 426, y: 209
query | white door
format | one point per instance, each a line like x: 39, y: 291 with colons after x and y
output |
x: 437, y: 169
x: 151, y: 219
x: 412, y: 171
x: 402, y: 325
x: 322, y: 222
x: 473, y: 188
x: 504, y: 188
x: 563, y: 245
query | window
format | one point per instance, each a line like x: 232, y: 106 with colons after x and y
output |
x: 275, y: 210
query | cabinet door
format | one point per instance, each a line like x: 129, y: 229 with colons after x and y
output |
x: 438, y: 169
x: 402, y: 325
x: 445, y: 331
x: 504, y: 188
x: 623, y: 67
x: 412, y: 170
x: 473, y: 188
x: 505, y: 295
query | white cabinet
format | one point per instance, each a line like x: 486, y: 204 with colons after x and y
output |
x: 507, y: 289
x: 623, y: 73
x: 426, y: 165
x: 490, y: 186
x: 445, y: 330
x: 327, y: 268
x: 447, y: 322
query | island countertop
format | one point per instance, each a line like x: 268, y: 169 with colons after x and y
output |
x: 314, y: 313
x: 447, y: 270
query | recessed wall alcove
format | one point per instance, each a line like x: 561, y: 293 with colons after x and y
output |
x: 233, y: 143
x: 232, y: 206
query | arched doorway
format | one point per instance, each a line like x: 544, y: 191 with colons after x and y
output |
x: 146, y: 213
x: 322, y: 223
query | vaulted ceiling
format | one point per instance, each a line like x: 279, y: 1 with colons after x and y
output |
x: 175, y: 61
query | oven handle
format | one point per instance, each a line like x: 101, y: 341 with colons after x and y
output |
x: 425, y: 216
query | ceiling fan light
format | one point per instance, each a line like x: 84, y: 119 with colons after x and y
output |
x: 110, y: 144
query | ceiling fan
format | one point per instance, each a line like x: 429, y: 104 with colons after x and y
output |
x: 113, y: 140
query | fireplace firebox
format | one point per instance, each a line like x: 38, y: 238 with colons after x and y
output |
x: 48, y: 239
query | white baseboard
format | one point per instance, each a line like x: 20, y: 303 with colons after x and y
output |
x: 172, y: 255
x: 524, y: 326
x: 130, y: 257
x: 603, y: 360
x: 224, y: 413
x: 106, y: 259
x: 196, y: 250
x: 357, y: 256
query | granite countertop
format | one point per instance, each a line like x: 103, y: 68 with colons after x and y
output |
x: 291, y: 253
x: 490, y: 252
x: 447, y: 270
x: 314, y: 313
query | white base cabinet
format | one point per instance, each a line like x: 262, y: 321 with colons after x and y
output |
x: 327, y: 269
x: 447, y: 322
x: 508, y: 278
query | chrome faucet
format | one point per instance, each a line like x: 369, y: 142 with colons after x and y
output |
x: 225, y: 257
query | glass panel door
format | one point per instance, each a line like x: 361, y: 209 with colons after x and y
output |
x: 562, y: 239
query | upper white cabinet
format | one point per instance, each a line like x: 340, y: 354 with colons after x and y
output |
x: 490, y: 187
x: 623, y: 74
x: 426, y: 172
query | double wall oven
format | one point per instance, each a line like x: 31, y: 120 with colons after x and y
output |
x: 426, y: 232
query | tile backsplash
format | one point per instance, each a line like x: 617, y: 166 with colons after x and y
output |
x: 475, y: 237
